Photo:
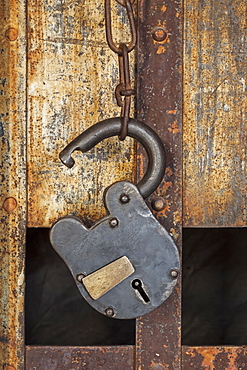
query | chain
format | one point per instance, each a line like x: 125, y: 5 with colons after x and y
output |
x: 123, y: 90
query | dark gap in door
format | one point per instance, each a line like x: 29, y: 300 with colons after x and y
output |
x: 55, y: 312
x: 214, y: 304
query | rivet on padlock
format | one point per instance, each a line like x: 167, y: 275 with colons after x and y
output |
x: 127, y: 260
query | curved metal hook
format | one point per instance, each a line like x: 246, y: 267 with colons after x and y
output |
x: 136, y: 129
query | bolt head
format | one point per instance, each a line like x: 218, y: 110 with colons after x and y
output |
x: 174, y: 274
x: 109, y: 312
x: 124, y: 198
x: 158, y: 367
x: 11, y: 33
x: 10, y: 204
x: 80, y: 277
x: 158, y: 204
x: 113, y: 222
x: 159, y: 34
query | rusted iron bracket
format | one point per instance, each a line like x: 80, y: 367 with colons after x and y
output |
x: 160, y: 106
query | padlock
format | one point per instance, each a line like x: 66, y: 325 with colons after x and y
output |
x: 126, y: 264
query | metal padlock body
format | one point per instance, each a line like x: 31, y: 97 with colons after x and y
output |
x: 137, y: 235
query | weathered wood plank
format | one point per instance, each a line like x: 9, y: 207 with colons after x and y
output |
x: 13, y: 181
x: 215, y: 124
x: 71, y: 81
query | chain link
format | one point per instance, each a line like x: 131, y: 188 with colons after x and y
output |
x: 122, y: 2
x: 123, y: 90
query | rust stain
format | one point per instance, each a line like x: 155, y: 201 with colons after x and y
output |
x: 169, y: 171
x: 166, y: 185
x: 232, y: 358
x: 213, y: 358
x: 174, y: 129
x: 208, y: 359
x: 165, y: 211
x: 161, y: 49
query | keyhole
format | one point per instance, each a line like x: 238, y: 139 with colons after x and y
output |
x: 137, y: 284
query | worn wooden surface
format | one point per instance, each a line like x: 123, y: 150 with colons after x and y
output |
x: 214, y: 358
x: 160, y: 105
x: 215, y: 125
x: 13, y: 181
x: 214, y: 136
x: 77, y: 358
x: 72, y: 75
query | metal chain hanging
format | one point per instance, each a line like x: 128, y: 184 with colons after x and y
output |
x: 123, y: 89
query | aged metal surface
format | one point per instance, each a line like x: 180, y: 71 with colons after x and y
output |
x: 78, y: 358
x: 72, y: 75
x: 13, y: 181
x: 136, y: 234
x: 215, y: 124
x: 214, y: 358
x: 159, y: 105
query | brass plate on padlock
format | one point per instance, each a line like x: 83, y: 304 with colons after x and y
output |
x: 103, y: 280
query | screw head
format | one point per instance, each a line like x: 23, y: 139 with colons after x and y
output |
x: 124, y: 198
x: 174, y: 274
x: 109, y: 312
x: 158, y: 367
x: 113, y: 222
x: 80, y: 277
x: 11, y: 33
x: 158, y: 203
x: 10, y: 204
x: 159, y: 34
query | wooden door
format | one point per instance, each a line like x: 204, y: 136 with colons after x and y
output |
x: 57, y: 79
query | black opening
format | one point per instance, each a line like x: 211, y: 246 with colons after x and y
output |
x: 214, y: 304
x: 55, y: 312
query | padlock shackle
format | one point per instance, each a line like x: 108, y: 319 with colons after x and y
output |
x: 136, y: 129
